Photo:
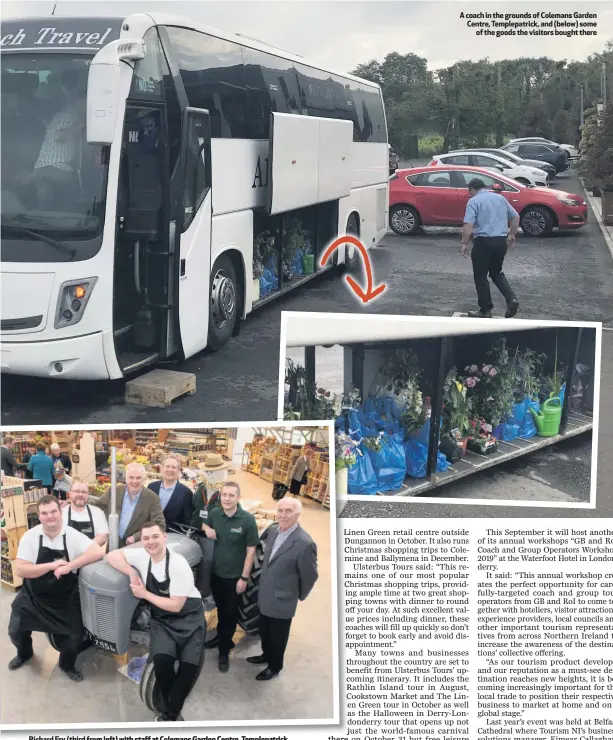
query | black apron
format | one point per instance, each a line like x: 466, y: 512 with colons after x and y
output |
x: 47, y: 603
x: 86, y: 528
x: 181, y: 634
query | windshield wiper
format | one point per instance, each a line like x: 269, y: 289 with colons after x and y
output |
x: 60, y: 246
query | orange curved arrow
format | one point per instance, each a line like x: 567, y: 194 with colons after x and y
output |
x: 370, y: 292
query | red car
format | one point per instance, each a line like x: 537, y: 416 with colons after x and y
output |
x: 437, y: 196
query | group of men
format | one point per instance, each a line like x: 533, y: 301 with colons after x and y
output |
x: 53, y: 470
x: 74, y: 533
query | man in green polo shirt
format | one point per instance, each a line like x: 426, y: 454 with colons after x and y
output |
x: 236, y: 536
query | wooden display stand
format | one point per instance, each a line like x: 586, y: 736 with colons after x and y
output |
x: 318, y: 483
x: 84, y: 459
x: 16, y: 502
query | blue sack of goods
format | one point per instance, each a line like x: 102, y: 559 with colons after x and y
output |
x: 389, y: 463
x: 361, y: 478
x: 511, y: 427
x: 416, y: 455
x: 528, y: 427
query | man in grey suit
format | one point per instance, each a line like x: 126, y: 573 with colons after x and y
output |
x: 136, y: 505
x: 289, y: 572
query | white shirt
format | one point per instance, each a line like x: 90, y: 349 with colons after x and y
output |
x: 101, y: 526
x: 179, y: 572
x: 76, y: 543
x: 60, y: 149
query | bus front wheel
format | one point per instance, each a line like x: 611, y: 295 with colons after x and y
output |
x: 223, y: 308
x: 352, y: 254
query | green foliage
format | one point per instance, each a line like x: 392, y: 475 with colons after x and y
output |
x: 597, y: 154
x: 481, y: 102
x: 458, y: 408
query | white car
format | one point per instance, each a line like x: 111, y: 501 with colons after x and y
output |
x: 525, y: 175
x: 570, y: 150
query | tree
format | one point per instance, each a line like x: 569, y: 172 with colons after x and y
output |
x: 563, y: 130
x: 536, y: 121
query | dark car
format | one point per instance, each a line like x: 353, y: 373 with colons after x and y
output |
x: 548, y: 168
x: 542, y: 152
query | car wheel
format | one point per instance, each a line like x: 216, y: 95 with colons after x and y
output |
x: 522, y: 180
x: 223, y: 308
x: 536, y: 221
x: 404, y: 220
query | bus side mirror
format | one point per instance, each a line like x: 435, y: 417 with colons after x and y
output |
x: 103, y: 85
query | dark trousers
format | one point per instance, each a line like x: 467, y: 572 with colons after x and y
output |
x: 274, y: 634
x: 174, y: 687
x: 487, y: 257
x: 226, y: 601
x: 69, y: 645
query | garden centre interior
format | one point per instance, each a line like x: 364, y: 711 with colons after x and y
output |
x: 500, y: 388
x: 255, y: 457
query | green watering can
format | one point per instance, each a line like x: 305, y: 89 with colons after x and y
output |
x: 548, y: 419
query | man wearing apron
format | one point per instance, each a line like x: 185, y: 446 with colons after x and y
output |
x: 178, y: 629
x: 78, y: 514
x: 48, y: 559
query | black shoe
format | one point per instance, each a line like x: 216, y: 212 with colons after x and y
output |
x: 266, y: 675
x: 480, y: 314
x: 72, y: 674
x: 18, y: 661
x: 512, y: 307
x: 224, y: 663
x: 168, y: 718
x: 257, y: 660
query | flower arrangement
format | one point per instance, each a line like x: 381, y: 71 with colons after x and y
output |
x: 345, y: 450
x: 374, y: 443
x: 264, y: 246
x: 305, y: 400
x: 457, y: 405
x: 481, y: 439
x: 492, y: 386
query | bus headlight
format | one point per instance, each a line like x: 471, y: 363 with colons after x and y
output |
x: 72, y: 301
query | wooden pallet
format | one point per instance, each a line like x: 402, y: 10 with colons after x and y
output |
x: 160, y: 388
x: 472, y: 462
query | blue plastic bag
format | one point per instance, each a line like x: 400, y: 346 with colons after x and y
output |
x: 528, y: 427
x: 269, y: 282
x: 389, y: 463
x: 361, y: 478
x: 511, y: 427
x: 416, y: 455
x: 562, y: 393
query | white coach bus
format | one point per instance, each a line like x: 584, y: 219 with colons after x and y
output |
x: 160, y: 180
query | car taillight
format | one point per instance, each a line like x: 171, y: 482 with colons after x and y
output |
x: 433, y: 163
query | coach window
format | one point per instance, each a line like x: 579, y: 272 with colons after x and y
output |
x: 271, y: 87
x: 213, y: 75
x: 319, y: 93
x: 370, y: 117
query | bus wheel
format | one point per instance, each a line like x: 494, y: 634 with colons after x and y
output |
x: 352, y: 253
x: 223, y: 309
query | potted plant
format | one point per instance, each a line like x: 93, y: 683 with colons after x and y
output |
x: 295, y: 239
x: 457, y: 409
x: 481, y: 439
x: 345, y: 456
x: 399, y: 379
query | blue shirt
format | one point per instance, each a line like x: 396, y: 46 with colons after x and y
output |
x: 127, y: 509
x: 165, y: 494
x: 41, y: 467
x: 489, y: 213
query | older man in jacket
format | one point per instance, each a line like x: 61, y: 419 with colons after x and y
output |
x: 289, y: 572
x: 136, y: 505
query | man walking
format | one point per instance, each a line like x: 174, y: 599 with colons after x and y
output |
x: 136, y: 505
x: 48, y: 559
x: 289, y: 572
x: 89, y: 520
x: 492, y: 223
x: 178, y: 628
x: 236, y: 535
x: 175, y: 498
